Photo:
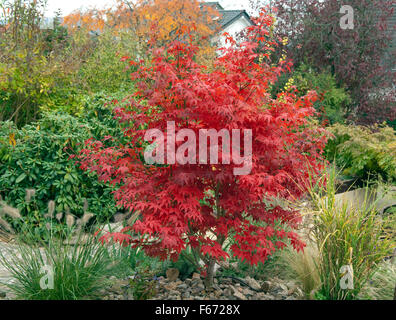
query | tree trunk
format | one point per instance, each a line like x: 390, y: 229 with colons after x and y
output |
x: 210, y: 273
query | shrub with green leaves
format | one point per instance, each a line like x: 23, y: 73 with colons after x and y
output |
x: 105, y: 68
x: 364, y: 152
x: 334, y: 100
x: 38, y: 157
x: 187, y: 264
x: 131, y: 260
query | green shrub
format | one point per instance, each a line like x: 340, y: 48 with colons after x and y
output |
x: 144, y: 284
x: 130, y: 260
x: 104, y: 69
x: 37, y: 67
x: 187, y: 264
x: 38, y: 157
x: 333, y: 100
x: 52, y: 69
x: 364, y: 152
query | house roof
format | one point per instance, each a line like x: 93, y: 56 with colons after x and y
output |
x: 214, y: 5
x: 227, y: 17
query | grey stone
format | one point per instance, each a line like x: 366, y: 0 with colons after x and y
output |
x: 266, y: 286
x: 182, y: 286
x: 253, y: 283
x: 239, y: 295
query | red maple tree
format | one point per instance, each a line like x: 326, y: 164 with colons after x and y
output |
x: 206, y: 206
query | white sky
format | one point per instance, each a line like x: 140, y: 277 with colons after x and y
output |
x: 68, y: 6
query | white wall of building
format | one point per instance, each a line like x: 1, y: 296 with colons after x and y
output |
x: 233, y: 29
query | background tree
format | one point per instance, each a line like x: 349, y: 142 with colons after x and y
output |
x: 159, y: 19
x: 37, y: 63
x: 356, y: 57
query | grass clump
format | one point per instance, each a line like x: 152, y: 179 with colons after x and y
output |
x: 381, y: 286
x: 347, y: 237
x: 302, y: 266
x: 55, y: 271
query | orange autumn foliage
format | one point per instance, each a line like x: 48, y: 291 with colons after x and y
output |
x: 158, y: 21
x: 90, y: 19
x: 167, y: 17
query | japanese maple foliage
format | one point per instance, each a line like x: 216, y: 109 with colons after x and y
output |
x: 205, y: 205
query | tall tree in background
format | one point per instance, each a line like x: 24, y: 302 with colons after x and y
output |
x: 31, y: 60
x: 355, y: 56
x: 159, y: 20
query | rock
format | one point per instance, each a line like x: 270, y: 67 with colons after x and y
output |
x: 174, y: 293
x: 266, y: 286
x: 172, y: 274
x: 119, y: 217
x: 113, y: 227
x: 182, y: 286
x: 196, y: 282
x: 228, y: 292
x: 282, y: 287
x: 260, y: 296
x: 253, y: 283
x: 247, y: 292
x: 280, y: 290
x: 218, y: 293
x: 298, y: 292
x: 216, y: 287
x: 196, y: 276
x: 226, y: 281
x: 291, y: 285
x: 198, y: 289
x: 239, y: 295
x: 170, y: 286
